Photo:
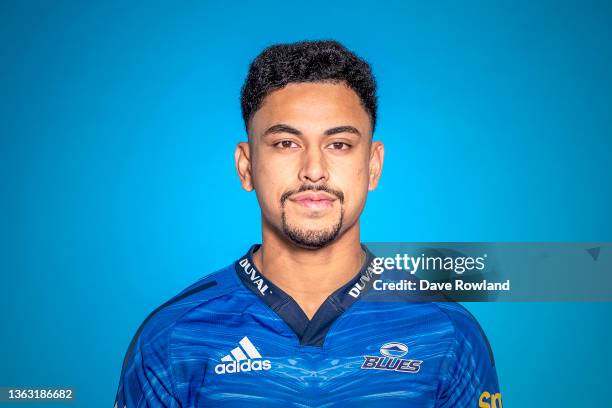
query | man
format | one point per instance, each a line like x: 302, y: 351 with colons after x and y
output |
x: 293, y: 322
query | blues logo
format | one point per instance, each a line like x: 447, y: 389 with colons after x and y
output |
x: 391, y: 359
x: 394, y: 349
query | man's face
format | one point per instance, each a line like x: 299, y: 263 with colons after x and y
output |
x: 311, y: 161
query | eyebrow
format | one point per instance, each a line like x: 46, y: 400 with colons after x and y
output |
x: 283, y: 128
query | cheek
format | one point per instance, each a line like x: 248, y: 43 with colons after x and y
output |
x: 357, y: 202
x: 355, y: 188
x: 270, y: 181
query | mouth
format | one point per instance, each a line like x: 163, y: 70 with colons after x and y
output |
x: 314, y: 200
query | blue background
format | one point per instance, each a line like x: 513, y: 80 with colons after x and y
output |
x: 118, y: 125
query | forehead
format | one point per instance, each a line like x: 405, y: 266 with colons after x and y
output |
x: 312, y: 107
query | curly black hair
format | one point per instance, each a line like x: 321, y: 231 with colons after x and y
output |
x: 307, y: 61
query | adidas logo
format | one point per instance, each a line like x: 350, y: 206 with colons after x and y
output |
x: 245, y: 357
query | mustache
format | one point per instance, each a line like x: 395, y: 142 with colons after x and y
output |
x: 310, y: 187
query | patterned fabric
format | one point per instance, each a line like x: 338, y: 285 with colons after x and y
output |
x: 234, y: 340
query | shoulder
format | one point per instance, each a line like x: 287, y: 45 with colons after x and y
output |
x: 467, y: 373
x: 466, y: 329
x: 153, y: 333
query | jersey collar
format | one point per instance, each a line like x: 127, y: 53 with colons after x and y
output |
x: 309, y: 332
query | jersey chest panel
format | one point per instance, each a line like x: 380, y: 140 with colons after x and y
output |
x: 371, y: 357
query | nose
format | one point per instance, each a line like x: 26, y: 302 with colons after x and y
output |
x: 314, y: 166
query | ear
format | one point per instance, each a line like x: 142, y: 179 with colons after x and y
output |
x: 242, y: 156
x: 377, y: 157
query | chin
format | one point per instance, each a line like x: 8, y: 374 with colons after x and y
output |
x: 311, y: 238
x: 312, y: 234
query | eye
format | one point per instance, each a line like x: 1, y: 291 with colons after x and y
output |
x: 340, y: 146
x: 286, y: 144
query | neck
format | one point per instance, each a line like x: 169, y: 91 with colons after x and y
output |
x: 309, y: 276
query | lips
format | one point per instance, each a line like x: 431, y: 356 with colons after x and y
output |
x: 314, y: 200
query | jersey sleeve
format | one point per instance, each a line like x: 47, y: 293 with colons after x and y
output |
x: 469, y: 377
x: 146, y: 377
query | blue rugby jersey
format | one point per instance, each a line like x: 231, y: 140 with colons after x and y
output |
x: 234, y: 339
